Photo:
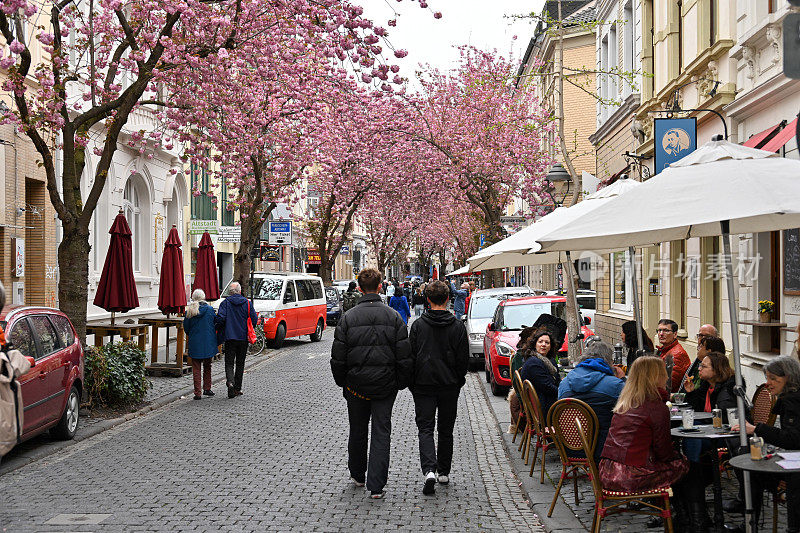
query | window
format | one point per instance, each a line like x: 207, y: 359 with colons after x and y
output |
x: 289, y: 295
x: 202, y: 207
x: 680, y: 36
x: 620, y: 279
x: 308, y: 289
x: 45, y: 333
x: 63, y: 329
x: 131, y: 206
x: 628, y: 42
x: 712, y: 21
x: 22, y: 339
x: 227, y: 207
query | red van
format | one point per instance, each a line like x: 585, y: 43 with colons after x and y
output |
x: 51, y: 389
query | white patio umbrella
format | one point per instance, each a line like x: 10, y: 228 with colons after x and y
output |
x: 459, y: 272
x: 720, y: 189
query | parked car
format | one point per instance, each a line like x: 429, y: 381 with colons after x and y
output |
x: 288, y: 305
x: 587, y: 302
x: 52, y: 388
x: 482, y: 305
x: 502, y: 334
x: 334, y: 305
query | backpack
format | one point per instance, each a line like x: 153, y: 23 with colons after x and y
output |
x: 12, y: 365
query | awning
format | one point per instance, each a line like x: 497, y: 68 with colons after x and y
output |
x: 758, y: 138
x: 781, y: 138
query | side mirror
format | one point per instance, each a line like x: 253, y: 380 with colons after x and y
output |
x: 31, y: 360
x: 490, y: 327
x: 587, y: 320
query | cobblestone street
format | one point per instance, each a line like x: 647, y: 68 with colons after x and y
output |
x: 271, y: 460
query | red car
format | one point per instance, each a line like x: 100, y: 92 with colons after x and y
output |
x: 51, y: 389
x: 502, y: 334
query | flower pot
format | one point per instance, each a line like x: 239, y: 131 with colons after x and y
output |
x: 764, y: 317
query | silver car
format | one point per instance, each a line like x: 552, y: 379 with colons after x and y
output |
x: 482, y: 305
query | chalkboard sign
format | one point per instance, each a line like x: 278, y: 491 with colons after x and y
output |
x: 791, y: 261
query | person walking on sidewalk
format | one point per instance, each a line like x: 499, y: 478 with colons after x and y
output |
x: 440, y: 352
x: 232, y: 317
x: 399, y: 303
x: 201, y: 341
x: 371, y: 361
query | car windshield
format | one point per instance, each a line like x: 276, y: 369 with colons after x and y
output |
x: 486, y: 306
x: 517, y: 317
x: 263, y: 289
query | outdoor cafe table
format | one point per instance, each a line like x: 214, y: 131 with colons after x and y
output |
x: 764, y: 466
x: 165, y: 368
x: 711, y: 433
x: 125, y: 331
x: 698, y: 415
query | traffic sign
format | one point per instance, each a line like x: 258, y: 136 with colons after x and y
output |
x: 345, y: 250
x: 280, y: 232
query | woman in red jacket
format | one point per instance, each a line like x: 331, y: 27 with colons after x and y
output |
x: 638, y: 454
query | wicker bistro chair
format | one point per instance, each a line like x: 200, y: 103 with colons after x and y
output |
x: 762, y: 406
x: 612, y: 502
x: 537, y: 428
x: 562, y: 419
x: 516, y: 383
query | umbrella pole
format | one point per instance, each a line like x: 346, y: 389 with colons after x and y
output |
x: 573, y: 290
x: 637, y: 308
x: 737, y: 365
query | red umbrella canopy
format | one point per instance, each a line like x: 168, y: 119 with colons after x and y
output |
x: 171, y: 294
x: 117, y: 289
x: 205, y: 277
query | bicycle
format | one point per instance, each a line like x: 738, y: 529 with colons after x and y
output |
x: 261, y: 341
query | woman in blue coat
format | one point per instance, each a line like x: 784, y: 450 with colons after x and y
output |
x: 202, y: 340
x: 399, y: 303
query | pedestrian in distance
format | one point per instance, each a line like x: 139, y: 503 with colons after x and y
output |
x: 440, y: 353
x: 232, y: 317
x: 399, y: 303
x: 201, y: 341
x: 350, y: 297
x: 371, y: 361
x: 459, y: 298
x: 418, y: 301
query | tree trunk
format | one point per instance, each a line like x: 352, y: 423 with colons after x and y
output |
x: 251, y: 231
x: 326, y: 270
x: 73, y: 283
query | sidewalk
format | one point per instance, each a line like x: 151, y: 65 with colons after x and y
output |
x: 164, y: 390
x: 571, y: 518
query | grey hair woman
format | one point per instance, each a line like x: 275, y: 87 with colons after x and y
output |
x: 193, y: 307
x: 202, y: 341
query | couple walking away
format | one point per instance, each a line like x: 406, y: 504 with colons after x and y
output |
x: 373, y: 357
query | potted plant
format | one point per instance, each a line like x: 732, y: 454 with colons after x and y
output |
x: 765, y: 308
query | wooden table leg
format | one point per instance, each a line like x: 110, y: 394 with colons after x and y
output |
x: 154, y: 356
x: 179, y: 354
x: 141, y: 339
x: 126, y: 335
x: 98, y: 340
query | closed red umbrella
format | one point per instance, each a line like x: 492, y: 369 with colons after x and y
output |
x: 205, y: 276
x: 171, y: 294
x: 117, y: 289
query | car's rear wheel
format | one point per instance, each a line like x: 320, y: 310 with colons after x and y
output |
x: 68, y: 425
x: 280, y: 334
x: 317, y: 335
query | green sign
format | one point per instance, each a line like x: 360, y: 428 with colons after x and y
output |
x: 198, y: 227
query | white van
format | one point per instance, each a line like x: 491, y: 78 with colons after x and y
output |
x: 288, y: 305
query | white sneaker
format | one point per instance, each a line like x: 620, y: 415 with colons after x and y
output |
x: 430, y: 484
x: 356, y: 482
x: 444, y: 479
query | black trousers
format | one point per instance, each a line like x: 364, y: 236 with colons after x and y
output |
x: 235, y: 352
x: 426, y: 405
x: 360, y: 413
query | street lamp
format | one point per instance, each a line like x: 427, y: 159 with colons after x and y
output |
x: 557, y: 174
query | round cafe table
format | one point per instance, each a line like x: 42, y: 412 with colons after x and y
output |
x: 764, y: 466
x: 698, y: 415
x: 709, y: 432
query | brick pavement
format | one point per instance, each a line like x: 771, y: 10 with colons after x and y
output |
x: 273, y: 459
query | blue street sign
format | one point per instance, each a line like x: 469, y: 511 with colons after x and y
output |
x: 482, y: 240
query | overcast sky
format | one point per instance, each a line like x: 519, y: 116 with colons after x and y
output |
x: 481, y: 23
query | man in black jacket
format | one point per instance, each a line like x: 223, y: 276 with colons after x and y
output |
x: 440, y: 351
x: 370, y: 360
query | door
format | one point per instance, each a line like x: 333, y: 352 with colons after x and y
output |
x: 289, y: 308
x: 53, y: 363
x: 32, y: 382
x: 308, y: 308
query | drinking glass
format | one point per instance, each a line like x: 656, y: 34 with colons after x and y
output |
x: 733, y: 416
x: 678, y: 397
x: 688, y: 418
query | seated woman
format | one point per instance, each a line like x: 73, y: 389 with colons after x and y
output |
x: 715, y: 391
x: 541, y: 368
x: 631, y: 342
x: 517, y: 360
x: 783, y: 381
x: 638, y: 454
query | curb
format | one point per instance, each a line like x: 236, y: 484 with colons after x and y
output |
x: 50, y: 448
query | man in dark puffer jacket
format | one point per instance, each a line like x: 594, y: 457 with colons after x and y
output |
x: 440, y: 350
x: 371, y: 361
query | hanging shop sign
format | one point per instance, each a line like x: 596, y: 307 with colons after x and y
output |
x: 674, y: 139
x: 313, y: 257
x: 198, y: 227
x: 229, y: 234
x: 271, y: 252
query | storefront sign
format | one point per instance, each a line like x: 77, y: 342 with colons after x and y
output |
x: 271, y: 252
x: 675, y: 138
x: 229, y: 234
x: 313, y: 257
x: 198, y: 227
x: 280, y: 232
x: 19, y: 257
x: 345, y: 250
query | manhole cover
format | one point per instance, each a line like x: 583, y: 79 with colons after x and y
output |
x: 70, y: 519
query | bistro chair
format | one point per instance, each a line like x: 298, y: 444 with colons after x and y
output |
x: 607, y: 502
x: 516, y: 382
x: 563, y: 415
x: 762, y: 406
x: 537, y: 428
